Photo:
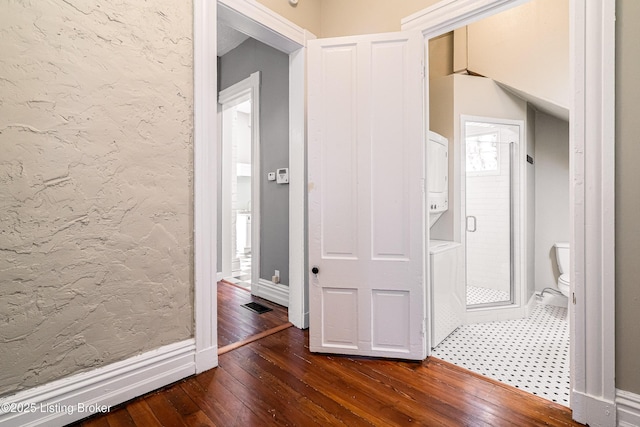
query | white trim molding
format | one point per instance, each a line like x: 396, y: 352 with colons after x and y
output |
x: 592, y: 145
x: 264, y: 25
x: 79, y: 396
x: 592, y: 197
x: 274, y: 292
x: 205, y: 72
x: 248, y: 88
x: 628, y: 405
x: 449, y: 15
x: 298, y: 284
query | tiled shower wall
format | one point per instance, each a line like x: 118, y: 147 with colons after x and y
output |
x: 488, y: 248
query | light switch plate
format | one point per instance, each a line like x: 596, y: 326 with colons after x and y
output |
x: 271, y: 176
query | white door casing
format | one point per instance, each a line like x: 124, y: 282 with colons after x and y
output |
x: 366, y: 169
x: 264, y: 25
x: 247, y: 89
x: 592, y: 190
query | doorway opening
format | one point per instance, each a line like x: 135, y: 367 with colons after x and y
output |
x: 240, y: 112
x: 506, y: 333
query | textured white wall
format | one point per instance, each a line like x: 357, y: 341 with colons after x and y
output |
x: 96, y: 184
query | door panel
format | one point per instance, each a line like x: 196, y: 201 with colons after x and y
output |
x: 390, y: 332
x: 366, y: 201
x: 340, y: 314
x: 340, y: 181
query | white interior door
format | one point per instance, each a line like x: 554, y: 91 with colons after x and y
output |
x: 366, y: 196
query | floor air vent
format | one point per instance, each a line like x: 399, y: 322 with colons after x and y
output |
x: 256, y: 307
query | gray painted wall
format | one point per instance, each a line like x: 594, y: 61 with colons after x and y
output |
x: 531, y: 201
x: 552, y: 216
x: 627, y: 196
x: 237, y: 65
x: 96, y: 194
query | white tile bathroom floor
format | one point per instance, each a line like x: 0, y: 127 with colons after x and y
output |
x: 531, y: 354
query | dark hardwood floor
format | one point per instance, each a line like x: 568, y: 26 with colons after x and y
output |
x: 236, y: 323
x: 277, y: 381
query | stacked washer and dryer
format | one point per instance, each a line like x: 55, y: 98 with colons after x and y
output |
x: 448, y: 296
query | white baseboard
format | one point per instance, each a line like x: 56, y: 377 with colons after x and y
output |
x: 206, y: 359
x: 79, y: 396
x: 628, y: 405
x: 492, y: 314
x: 220, y: 276
x: 274, y: 292
x: 593, y: 410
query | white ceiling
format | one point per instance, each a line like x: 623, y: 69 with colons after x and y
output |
x: 228, y: 38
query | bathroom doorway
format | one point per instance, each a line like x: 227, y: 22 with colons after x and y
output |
x: 240, y: 217
x: 491, y: 196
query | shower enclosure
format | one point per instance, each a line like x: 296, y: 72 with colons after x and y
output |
x: 490, y: 208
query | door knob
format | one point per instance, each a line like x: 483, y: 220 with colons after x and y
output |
x: 315, y: 269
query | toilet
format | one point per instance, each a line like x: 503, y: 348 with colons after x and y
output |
x: 562, y: 257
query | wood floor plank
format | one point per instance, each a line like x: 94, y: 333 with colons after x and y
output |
x: 323, y: 408
x: 436, y: 395
x: 163, y: 409
x: 220, y: 406
x: 95, y: 422
x: 120, y: 418
x: 281, y: 403
x: 501, y: 391
x: 199, y: 419
x: 551, y: 413
x: 276, y: 381
x: 250, y: 400
x: 181, y: 401
x: 370, y: 407
x: 141, y: 414
x: 406, y: 399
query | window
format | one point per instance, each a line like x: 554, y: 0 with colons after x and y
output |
x: 483, y: 155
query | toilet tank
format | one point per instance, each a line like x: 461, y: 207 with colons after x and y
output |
x: 562, y: 256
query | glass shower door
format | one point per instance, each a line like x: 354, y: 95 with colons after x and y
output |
x: 488, y: 222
